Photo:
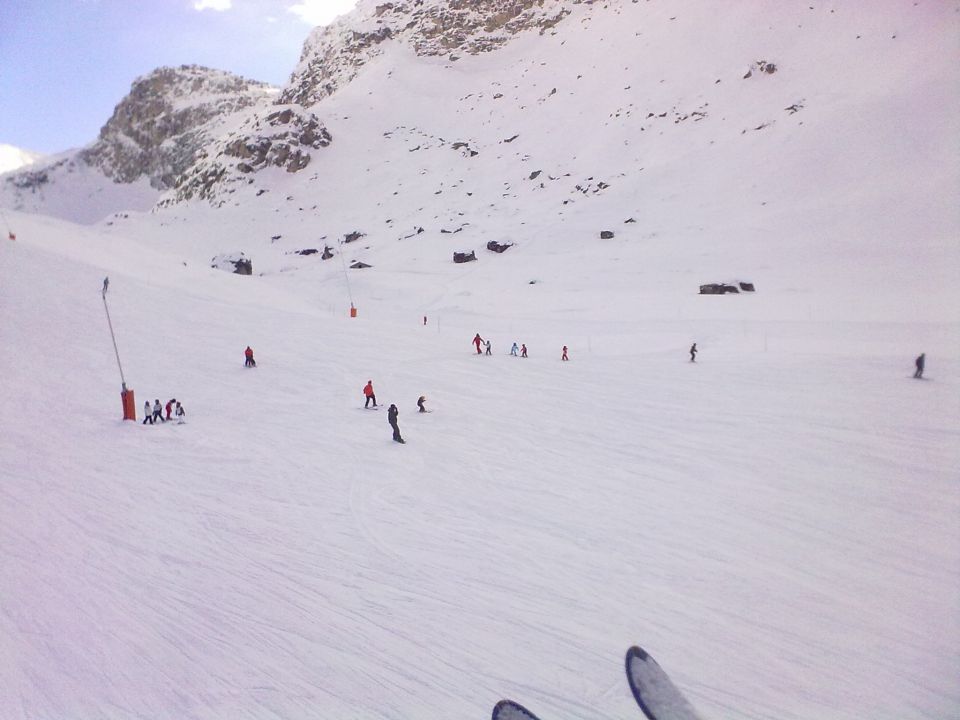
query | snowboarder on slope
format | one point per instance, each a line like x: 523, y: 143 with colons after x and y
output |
x: 920, y: 362
x: 514, y: 349
x: 180, y: 413
x: 157, y: 410
x: 368, y: 392
x: 392, y: 413
x: 420, y: 400
x: 147, y: 413
x: 248, y: 358
x: 693, y: 353
x: 563, y: 355
x: 523, y: 350
x: 477, y: 340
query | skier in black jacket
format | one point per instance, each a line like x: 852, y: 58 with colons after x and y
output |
x: 392, y: 413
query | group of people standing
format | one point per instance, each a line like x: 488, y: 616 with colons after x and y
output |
x: 484, y: 348
x: 155, y: 414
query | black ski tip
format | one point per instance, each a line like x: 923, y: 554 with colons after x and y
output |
x: 638, y: 653
x: 509, y: 710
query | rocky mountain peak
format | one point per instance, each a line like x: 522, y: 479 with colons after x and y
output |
x: 158, y: 129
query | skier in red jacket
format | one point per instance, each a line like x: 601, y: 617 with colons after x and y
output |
x: 368, y: 392
x: 478, y: 341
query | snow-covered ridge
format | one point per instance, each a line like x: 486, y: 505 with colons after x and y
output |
x: 333, y: 55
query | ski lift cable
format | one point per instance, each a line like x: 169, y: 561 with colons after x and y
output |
x: 346, y: 277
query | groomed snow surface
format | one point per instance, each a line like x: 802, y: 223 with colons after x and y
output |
x: 777, y: 522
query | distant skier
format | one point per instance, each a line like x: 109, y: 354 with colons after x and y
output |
x: 488, y: 348
x: 157, y: 411
x: 920, y: 362
x: 248, y: 358
x: 424, y: 319
x: 514, y: 350
x: 420, y: 401
x: 523, y: 350
x: 693, y: 353
x: 392, y: 413
x: 368, y: 392
x: 180, y: 414
x: 147, y: 413
x: 169, y: 407
x: 477, y: 340
x: 563, y: 355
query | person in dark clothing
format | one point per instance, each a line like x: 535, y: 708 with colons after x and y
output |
x: 563, y: 355
x: 693, y: 353
x: 248, y: 358
x: 488, y: 348
x: 420, y: 401
x: 920, y: 362
x: 392, y: 413
x: 523, y: 350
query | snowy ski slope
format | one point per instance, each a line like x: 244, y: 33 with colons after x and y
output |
x: 777, y: 523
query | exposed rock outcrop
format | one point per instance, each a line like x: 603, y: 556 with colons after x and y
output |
x: 283, y: 139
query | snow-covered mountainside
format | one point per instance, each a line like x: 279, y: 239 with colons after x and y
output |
x: 776, y: 522
x: 715, y: 144
x: 13, y: 158
x: 156, y: 132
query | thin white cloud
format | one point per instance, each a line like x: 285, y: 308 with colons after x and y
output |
x: 321, y: 12
x: 218, y: 5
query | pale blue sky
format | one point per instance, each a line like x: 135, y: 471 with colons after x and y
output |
x: 64, y: 64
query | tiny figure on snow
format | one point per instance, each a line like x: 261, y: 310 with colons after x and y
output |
x: 488, y: 349
x: 169, y: 407
x: 514, y: 350
x: 563, y: 355
x: 920, y: 362
x: 420, y: 401
x: 147, y: 413
x: 180, y: 414
x: 523, y: 350
x: 368, y: 393
x: 392, y: 413
x: 693, y: 353
x: 477, y: 340
x: 157, y: 411
x: 424, y: 319
x: 248, y: 358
